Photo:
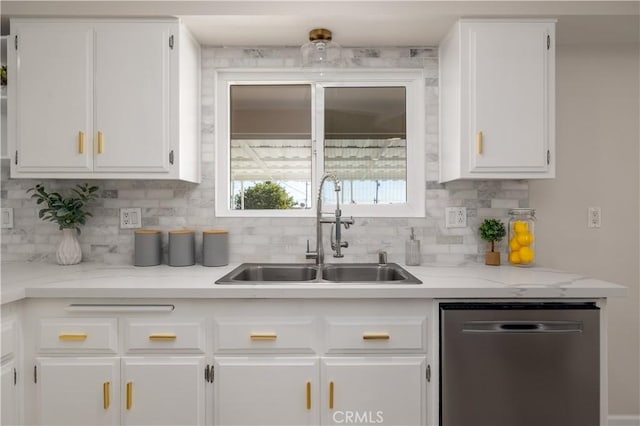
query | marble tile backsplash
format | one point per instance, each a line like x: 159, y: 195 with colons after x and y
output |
x: 174, y: 205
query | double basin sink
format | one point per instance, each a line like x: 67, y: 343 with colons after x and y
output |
x: 301, y: 273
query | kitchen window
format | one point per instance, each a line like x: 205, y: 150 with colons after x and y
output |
x: 278, y: 132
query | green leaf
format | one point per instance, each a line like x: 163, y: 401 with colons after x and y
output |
x: 66, y: 211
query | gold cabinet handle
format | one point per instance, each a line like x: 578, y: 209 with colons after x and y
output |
x: 330, y: 395
x: 163, y: 336
x: 376, y: 336
x: 308, y: 395
x: 73, y: 336
x: 100, y: 143
x: 106, y: 394
x: 264, y: 336
x: 480, y: 139
x: 81, y: 142
x: 129, y: 395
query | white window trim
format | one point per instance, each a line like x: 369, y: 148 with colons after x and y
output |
x: 413, y: 80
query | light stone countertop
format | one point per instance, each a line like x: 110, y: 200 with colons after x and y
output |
x: 93, y: 280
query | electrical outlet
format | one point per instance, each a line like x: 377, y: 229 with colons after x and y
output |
x: 455, y: 217
x: 130, y: 218
x: 7, y: 217
x: 594, y: 217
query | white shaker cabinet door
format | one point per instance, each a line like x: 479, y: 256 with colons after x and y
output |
x: 132, y: 97
x: 163, y: 391
x: 54, y: 96
x: 77, y: 391
x: 367, y: 390
x: 509, y: 98
x: 262, y: 391
x: 9, y: 405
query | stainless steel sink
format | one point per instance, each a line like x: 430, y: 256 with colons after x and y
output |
x: 368, y: 273
x: 301, y: 273
x: 270, y: 273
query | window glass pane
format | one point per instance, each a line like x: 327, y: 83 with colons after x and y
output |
x: 270, y: 161
x: 365, y: 143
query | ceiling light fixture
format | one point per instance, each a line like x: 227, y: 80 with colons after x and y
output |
x: 320, y: 51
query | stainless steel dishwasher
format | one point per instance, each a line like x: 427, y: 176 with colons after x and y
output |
x: 519, y: 364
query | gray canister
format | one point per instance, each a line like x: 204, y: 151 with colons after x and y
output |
x: 182, y: 248
x: 215, y: 247
x: 148, y: 247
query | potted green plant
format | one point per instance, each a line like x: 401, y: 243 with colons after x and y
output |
x: 492, y: 230
x: 69, y: 212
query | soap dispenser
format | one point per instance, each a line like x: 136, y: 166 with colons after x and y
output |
x: 412, y: 250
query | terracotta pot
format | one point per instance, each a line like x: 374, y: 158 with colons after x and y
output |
x: 492, y: 258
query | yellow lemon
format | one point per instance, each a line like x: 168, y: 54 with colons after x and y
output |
x: 521, y: 227
x: 525, y: 239
x: 514, y: 257
x: 526, y: 255
x: 514, y: 245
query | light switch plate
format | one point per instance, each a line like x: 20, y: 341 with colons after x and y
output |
x: 130, y: 218
x: 7, y: 217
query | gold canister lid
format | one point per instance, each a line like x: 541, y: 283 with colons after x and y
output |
x: 215, y: 231
x: 182, y: 231
x: 148, y: 231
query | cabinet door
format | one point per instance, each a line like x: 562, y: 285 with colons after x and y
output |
x: 266, y: 391
x: 77, y: 391
x: 168, y: 391
x: 509, y: 96
x: 9, y: 405
x: 374, y: 391
x: 132, y: 97
x: 54, y: 95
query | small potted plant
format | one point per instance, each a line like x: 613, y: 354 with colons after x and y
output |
x: 492, y: 230
x: 69, y: 213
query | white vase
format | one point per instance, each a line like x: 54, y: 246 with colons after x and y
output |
x: 69, y: 252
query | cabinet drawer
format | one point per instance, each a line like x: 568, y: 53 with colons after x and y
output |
x: 165, y: 336
x: 8, y: 338
x: 78, y: 335
x: 264, y: 335
x: 376, y: 334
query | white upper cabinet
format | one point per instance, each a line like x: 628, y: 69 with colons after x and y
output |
x: 103, y: 99
x: 132, y: 97
x: 497, y: 96
x: 55, y: 109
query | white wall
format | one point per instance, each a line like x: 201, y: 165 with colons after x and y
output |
x: 598, y: 159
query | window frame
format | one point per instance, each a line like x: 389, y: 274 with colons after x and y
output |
x: 412, y: 80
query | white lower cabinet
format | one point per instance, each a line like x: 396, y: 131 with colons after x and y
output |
x: 9, y: 411
x: 224, y: 363
x: 327, y: 363
x: 127, y: 391
x: 10, y: 365
x: 370, y: 390
x: 266, y: 391
x: 159, y: 391
x: 259, y: 390
x: 77, y: 391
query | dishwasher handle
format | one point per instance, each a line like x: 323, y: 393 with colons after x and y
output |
x: 539, y: 327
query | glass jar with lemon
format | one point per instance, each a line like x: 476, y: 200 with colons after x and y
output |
x: 522, y: 237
